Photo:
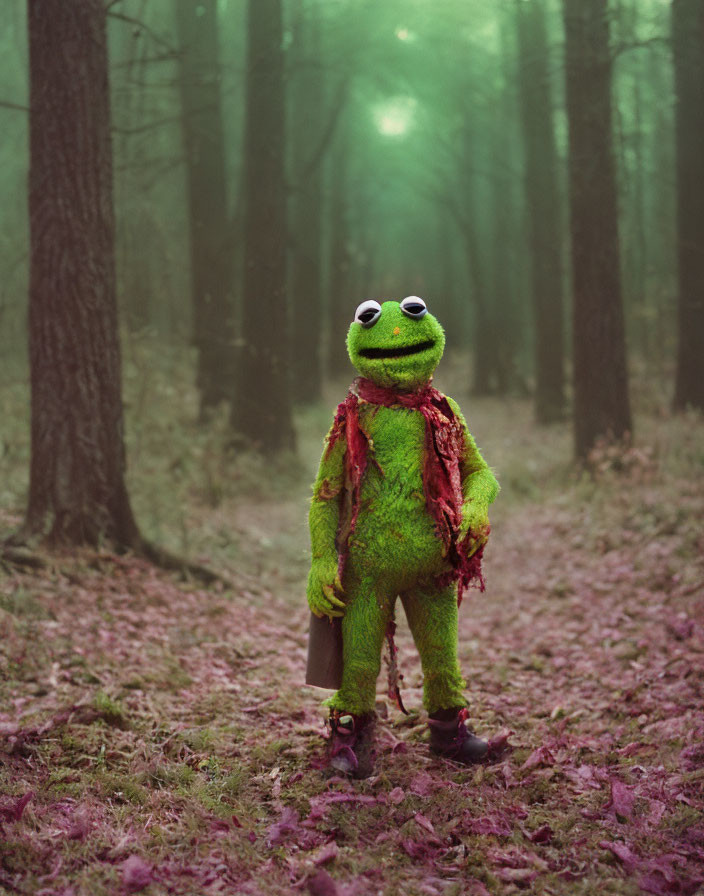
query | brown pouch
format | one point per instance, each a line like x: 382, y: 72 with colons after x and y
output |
x: 324, y: 668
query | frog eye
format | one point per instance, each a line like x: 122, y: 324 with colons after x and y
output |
x: 413, y: 306
x: 368, y: 313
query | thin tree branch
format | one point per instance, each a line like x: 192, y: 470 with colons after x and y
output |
x: 657, y: 41
x: 147, y: 30
x: 166, y: 57
x: 150, y: 126
x: 327, y: 136
x: 6, y: 104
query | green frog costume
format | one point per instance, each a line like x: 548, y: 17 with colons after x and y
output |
x: 399, y: 509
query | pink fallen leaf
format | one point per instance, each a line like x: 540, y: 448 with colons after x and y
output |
x: 476, y: 888
x: 632, y: 748
x: 499, y: 745
x: 424, y: 823
x: 284, y: 827
x: 80, y: 826
x: 497, y: 827
x: 414, y: 849
x: 663, y: 885
x: 321, y: 884
x: 423, y: 784
x: 319, y: 805
x: 383, y: 837
x: 543, y: 834
x: 622, y: 800
x: 692, y: 758
x: 326, y: 853
x: 136, y: 874
x: 516, y: 875
x: 541, y: 756
x: 656, y: 810
x: 681, y: 629
x: 629, y: 859
x: 397, y: 796
x: 14, y: 811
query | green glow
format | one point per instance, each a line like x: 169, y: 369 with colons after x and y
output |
x: 394, y: 117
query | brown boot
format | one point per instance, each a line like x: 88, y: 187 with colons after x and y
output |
x: 351, y: 745
x: 450, y: 738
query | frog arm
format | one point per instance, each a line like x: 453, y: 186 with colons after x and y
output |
x: 324, y: 586
x: 479, y: 485
x: 324, y: 514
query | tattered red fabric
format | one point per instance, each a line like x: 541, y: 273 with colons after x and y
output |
x: 442, y: 481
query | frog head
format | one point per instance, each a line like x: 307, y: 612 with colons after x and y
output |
x: 395, y: 344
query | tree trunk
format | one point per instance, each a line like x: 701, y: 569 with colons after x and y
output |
x: 306, y: 218
x: 211, y: 268
x: 342, y: 301
x: 601, y: 403
x: 688, y: 55
x: 543, y: 210
x: 77, y: 490
x: 261, y: 410
x: 484, y: 335
x: 134, y: 230
x: 452, y: 298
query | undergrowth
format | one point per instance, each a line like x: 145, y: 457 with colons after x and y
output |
x: 156, y: 737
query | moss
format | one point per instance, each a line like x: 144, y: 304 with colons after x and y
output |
x: 233, y: 783
x: 23, y: 604
x: 72, y: 744
x: 164, y: 776
x: 123, y: 787
x: 109, y: 709
x: 63, y: 780
x: 200, y: 740
x: 267, y: 753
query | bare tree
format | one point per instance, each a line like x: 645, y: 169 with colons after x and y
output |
x: 601, y: 402
x: 688, y: 57
x: 543, y: 209
x: 261, y: 409
x: 77, y: 490
x: 211, y: 254
x: 308, y: 120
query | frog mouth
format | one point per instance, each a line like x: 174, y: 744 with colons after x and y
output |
x: 400, y: 351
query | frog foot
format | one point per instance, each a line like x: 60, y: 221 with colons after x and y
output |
x: 449, y: 737
x: 351, y: 744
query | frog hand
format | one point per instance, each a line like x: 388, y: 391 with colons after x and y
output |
x: 325, y: 590
x: 474, y: 530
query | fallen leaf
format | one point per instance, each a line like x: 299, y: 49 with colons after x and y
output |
x: 136, y: 874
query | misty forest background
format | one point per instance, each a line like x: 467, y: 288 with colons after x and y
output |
x: 195, y: 198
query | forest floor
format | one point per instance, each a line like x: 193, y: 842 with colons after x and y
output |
x: 156, y: 737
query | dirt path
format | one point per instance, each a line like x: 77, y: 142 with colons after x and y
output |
x: 156, y: 738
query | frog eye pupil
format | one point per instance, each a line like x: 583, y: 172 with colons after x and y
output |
x: 368, y: 313
x: 413, y: 306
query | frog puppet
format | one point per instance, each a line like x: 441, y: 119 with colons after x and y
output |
x: 399, y: 509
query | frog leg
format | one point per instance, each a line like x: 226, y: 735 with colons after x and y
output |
x: 367, y: 615
x: 432, y: 617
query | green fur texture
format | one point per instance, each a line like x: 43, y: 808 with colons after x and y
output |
x: 394, y: 550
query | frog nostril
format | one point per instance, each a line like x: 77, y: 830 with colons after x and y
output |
x: 397, y: 330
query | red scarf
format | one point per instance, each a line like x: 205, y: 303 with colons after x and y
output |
x: 442, y: 482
